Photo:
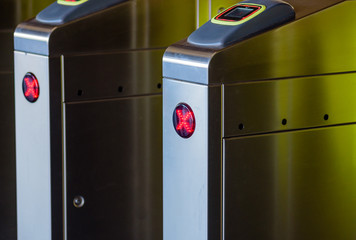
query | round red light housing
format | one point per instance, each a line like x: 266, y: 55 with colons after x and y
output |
x: 184, y: 120
x: 31, y: 87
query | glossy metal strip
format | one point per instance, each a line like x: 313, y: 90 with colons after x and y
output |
x: 64, y: 150
x: 31, y: 37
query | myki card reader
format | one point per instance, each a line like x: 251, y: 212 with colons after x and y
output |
x: 242, y: 21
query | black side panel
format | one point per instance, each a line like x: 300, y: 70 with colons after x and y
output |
x: 7, y: 160
x: 114, y: 161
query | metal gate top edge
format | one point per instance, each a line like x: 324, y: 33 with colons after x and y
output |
x: 305, y: 47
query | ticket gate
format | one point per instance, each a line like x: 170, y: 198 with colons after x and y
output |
x: 11, y: 13
x: 259, y: 132
x: 88, y: 117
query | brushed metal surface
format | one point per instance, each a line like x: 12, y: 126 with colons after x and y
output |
x: 129, y: 25
x: 33, y: 155
x: 113, y: 75
x: 291, y: 185
x: 185, y: 165
x: 107, y: 82
x: 308, y: 46
x: 110, y: 61
x: 296, y: 183
x: 187, y: 63
x: 191, y: 172
x: 114, y: 160
x: 303, y: 103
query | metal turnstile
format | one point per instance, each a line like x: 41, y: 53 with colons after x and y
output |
x: 11, y: 13
x: 88, y: 117
x: 259, y: 126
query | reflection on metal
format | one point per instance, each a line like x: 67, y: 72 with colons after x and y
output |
x: 32, y: 139
x: 291, y: 185
x: 275, y: 133
x: 31, y: 37
x: 330, y: 96
x: 292, y: 56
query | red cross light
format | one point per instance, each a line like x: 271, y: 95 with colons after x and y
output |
x: 30, y: 87
x: 184, y: 120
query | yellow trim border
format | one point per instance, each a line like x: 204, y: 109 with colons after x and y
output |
x: 62, y: 2
x: 221, y: 22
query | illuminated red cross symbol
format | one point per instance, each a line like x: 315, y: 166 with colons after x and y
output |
x: 184, y: 120
x: 30, y: 87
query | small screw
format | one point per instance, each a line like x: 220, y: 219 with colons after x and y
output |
x: 78, y: 201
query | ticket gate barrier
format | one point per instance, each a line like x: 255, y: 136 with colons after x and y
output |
x: 259, y: 135
x: 11, y: 13
x: 88, y: 117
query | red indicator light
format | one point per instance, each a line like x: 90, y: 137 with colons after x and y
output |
x: 30, y: 87
x: 184, y: 120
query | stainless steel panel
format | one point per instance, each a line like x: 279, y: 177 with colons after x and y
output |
x: 33, y: 165
x: 129, y: 25
x: 186, y: 63
x: 321, y: 43
x: 191, y: 171
x: 302, y: 102
x: 291, y: 185
x: 185, y: 165
x: 104, y: 67
x: 114, y: 160
x: 308, y: 46
x: 112, y: 75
